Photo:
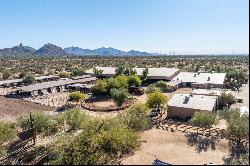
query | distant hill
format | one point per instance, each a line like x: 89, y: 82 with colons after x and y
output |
x: 79, y: 51
x: 53, y: 50
x: 50, y: 50
x: 104, y: 51
x: 138, y: 53
x: 109, y: 51
x: 17, y: 51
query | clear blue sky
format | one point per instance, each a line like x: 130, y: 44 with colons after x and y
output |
x: 183, y: 26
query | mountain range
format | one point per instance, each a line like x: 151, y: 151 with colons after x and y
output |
x: 53, y: 50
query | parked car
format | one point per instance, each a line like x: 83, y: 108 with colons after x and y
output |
x: 154, y: 113
x: 159, y: 162
x: 211, y: 164
x: 135, y: 90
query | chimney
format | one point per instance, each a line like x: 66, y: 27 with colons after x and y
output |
x: 191, y: 95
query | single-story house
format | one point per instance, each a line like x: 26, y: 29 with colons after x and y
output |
x: 52, y: 86
x: 18, y: 82
x: 210, y: 92
x: 201, y: 80
x: 185, y: 105
x: 161, y: 73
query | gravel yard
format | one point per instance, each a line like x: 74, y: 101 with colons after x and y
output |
x: 172, y: 147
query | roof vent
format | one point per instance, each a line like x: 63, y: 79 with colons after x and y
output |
x: 186, y: 98
x: 194, y: 75
x: 208, y: 78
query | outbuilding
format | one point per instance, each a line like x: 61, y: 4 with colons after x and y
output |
x: 185, y: 105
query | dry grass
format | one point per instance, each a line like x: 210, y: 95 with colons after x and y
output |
x: 10, y: 109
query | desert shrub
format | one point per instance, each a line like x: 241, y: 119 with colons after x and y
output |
x: 136, y: 117
x: 7, y: 133
x: 238, y: 126
x: 204, y: 119
x: 28, y: 79
x: 76, y: 96
x: 78, y: 72
x: 151, y: 89
x: 100, y: 142
x: 74, y: 118
x: 43, y: 123
x: 60, y: 121
x: 64, y: 75
x: 6, y: 74
x: 162, y: 85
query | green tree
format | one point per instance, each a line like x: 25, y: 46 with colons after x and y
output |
x: 64, y: 75
x: 76, y: 97
x: 238, y: 126
x: 7, y: 134
x: 119, y: 96
x: 226, y: 99
x: 129, y: 71
x: 236, y: 131
x: 100, y: 87
x: 158, y: 101
x: 97, y: 72
x: 113, y: 83
x: 204, y: 119
x: 235, y: 78
x: 134, y: 80
x: 119, y: 70
x: 144, y: 75
x: 123, y: 81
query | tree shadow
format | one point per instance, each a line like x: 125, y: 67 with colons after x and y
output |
x: 201, y: 143
x: 236, y: 152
